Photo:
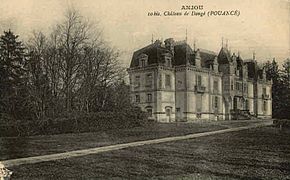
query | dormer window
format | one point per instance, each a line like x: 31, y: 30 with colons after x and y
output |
x: 167, y: 59
x: 264, y: 74
x: 143, y: 60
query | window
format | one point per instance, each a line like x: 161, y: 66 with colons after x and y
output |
x: 232, y: 85
x: 168, y: 111
x: 142, y: 62
x: 179, y: 83
x: 215, y: 86
x: 216, y: 102
x: 137, y: 98
x: 246, y: 104
x: 167, y: 80
x: 149, y: 97
x: 245, y: 88
x: 168, y: 62
x: 149, y: 112
x: 137, y: 81
x: 198, y: 80
x: 149, y: 80
x: 265, y: 106
x: 199, y: 103
x: 239, y: 86
x: 264, y: 91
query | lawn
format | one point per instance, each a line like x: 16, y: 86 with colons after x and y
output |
x: 260, y: 153
x: 17, y: 147
x: 12, y: 148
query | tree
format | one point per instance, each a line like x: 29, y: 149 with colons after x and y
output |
x: 77, y: 68
x: 285, y: 93
x: 101, y: 71
x: 286, y: 71
x: 280, y: 88
x: 38, y: 81
x: 73, y: 35
x: 66, y: 77
x: 12, y: 75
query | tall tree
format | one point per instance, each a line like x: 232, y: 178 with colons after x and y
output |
x: 285, y: 84
x: 73, y: 34
x: 38, y: 86
x: 12, y: 75
x: 280, y: 89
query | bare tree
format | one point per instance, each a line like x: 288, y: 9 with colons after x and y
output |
x: 38, y: 84
x: 78, y: 65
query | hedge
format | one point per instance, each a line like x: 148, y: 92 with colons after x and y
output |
x: 76, y: 123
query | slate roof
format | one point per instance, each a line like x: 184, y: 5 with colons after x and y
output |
x: 252, y: 68
x: 153, y: 51
x: 240, y: 61
x: 224, y: 56
x: 182, y: 53
x: 207, y: 58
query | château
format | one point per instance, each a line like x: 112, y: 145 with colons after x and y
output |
x: 173, y: 82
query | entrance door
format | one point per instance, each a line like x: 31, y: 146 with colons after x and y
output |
x: 246, y: 104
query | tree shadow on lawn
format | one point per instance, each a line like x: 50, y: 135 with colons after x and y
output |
x: 15, y: 148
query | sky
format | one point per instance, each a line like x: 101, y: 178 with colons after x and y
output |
x: 263, y: 26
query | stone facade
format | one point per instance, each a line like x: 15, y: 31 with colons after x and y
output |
x: 173, y: 82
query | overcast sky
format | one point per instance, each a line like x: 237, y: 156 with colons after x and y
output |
x: 263, y: 25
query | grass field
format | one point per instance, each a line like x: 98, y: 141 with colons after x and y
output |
x: 11, y: 148
x: 260, y: 153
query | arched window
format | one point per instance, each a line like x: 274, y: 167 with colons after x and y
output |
x: 168, y: 111
x: 168, y: 61
x: 149, y: 111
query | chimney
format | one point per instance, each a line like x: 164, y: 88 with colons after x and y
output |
x: 264, y: 74
x: 234, y: 58
x: 169, y: 44
x: 197, y: 59
x: 215, y: 65
x: 245, y: 71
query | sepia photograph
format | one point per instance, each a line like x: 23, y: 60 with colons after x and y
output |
x: 144, y: 89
